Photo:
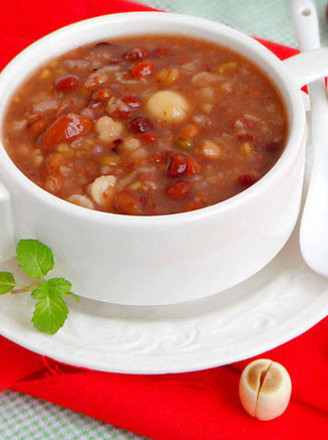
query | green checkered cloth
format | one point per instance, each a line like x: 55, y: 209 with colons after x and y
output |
x: 25, y: 418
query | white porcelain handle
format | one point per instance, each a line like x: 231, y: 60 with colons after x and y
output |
x: 7, y: 238
x: 307, y: 67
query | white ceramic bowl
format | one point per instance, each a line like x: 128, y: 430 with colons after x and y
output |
x: 160, y: 259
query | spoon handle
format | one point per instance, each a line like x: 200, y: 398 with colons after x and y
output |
x: 306, y: 25
x: 313, y: 231
x: 307, y: 33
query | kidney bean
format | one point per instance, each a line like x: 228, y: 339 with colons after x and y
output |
x: 67, y: 83
x: 179, y: 190
x: 65, y: 129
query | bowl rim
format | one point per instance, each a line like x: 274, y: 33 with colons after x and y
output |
x: 296, y: 119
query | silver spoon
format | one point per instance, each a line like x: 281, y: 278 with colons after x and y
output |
x: 314, y: 224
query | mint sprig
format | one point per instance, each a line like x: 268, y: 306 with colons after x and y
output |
x: 36, y: 260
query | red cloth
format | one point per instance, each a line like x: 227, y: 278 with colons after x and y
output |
x: 191, y: 406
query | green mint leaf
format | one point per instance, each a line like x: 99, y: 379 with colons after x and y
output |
x: 41, y: 292
x: 35, y: 258
x: 50, y: 311
x: 59, y: 286
x: 7, y: 282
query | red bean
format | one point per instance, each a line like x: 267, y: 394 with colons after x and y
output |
x: 67, y: 83
x: 140, y: 124
x: 192, y: 167
x: 272, y: 147
x: 95, y: 103
x: 149, y: 138
x: 142, y: 69
x: 127, y: 203
x: 132, y: 101
x: 179, y: 190
x: 102, y: 94
x: 177, y: 165
x: 136, y: 53
x: 247, y: 180
x: 121, y: 114
x: 181, y: 165
x: 157, y: 158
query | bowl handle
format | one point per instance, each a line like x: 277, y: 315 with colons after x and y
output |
x: 7, y: 237
x: 307, y: 67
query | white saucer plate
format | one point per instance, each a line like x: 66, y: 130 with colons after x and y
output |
x: 282, y: 301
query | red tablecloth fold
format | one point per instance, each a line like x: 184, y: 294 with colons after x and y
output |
x: 191, y: 406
